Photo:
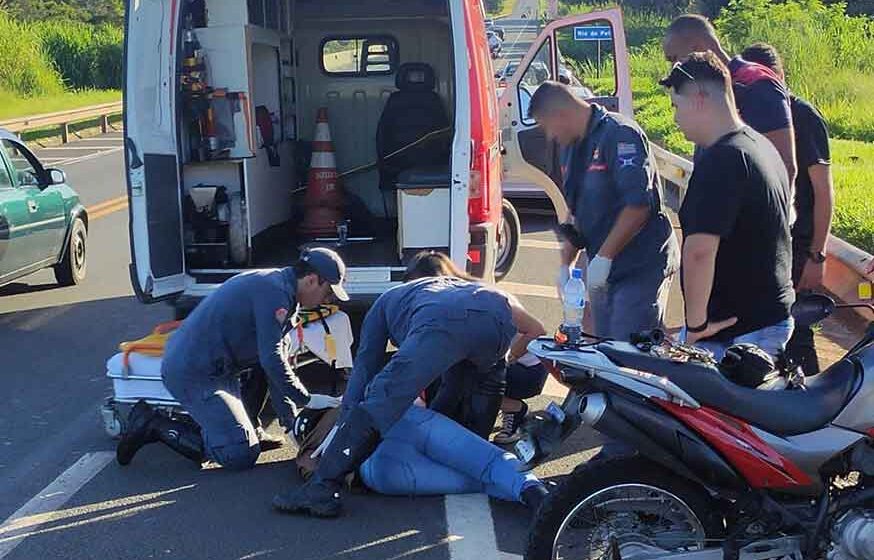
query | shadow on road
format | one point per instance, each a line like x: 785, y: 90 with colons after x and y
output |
x: 18, y: 288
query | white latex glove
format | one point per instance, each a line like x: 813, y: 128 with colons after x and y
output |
x: 319, y: 402
x: 325, y: 443
x: 597, y: 272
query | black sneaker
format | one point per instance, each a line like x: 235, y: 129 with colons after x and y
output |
x: 139, y: 433
x: 510, y: 423
x: 314, y: 498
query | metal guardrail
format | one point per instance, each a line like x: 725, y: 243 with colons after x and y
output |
x: 845, y: 269
x: 63, y: 119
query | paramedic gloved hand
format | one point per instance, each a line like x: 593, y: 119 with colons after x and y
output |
x: 319, y: 402
x: 598, y: 272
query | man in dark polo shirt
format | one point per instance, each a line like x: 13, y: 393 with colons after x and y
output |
x: 814, y: 202
x: 760, y: 96
x: 737, y: 256
x: 614, y: 196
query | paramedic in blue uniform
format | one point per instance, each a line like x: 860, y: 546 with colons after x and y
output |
x: 435, y: 323
x: 614, y: 196
x: 241, y: 324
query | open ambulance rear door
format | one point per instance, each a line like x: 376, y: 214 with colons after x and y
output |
x: 152, y: 37
x: 589, y: 53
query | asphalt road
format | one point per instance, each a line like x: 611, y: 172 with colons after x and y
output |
x: 54, y: 346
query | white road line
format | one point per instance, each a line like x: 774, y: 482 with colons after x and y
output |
x: 72, y: 147
x: 90, y: 156
x: 51, y: 498
x: 534, y: 290
x: 540, y: 244
x: 470, y: 527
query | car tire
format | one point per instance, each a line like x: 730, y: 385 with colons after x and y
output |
x: 509, y: 235
x: 72, y: 269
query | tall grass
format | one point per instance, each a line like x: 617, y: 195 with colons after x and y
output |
x: 87, y: 56
x: 25, y: 68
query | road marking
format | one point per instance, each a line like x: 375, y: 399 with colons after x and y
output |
x: 107, y: 207
x: 90, y: 156
x: 470, y: 527
x: 534, y: 290
x: 71, y: 147
x: 540, y: 244
x: 14, y: 530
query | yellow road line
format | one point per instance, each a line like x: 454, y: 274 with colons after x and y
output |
x: 107, y: 207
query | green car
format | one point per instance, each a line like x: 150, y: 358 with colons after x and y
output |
x: 42, y: 222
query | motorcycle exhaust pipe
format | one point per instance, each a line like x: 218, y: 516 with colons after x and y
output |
x: 658, y: 436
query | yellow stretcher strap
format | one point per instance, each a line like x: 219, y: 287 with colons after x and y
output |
x: 150, y: 345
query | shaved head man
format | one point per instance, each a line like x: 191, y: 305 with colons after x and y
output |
x: 760, y: 95
x: 615, y: 199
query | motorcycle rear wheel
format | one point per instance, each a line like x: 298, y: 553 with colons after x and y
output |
x: 630, y: 503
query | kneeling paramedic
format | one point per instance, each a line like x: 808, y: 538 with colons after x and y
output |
x: 241, y: 324
x: 435, y: 323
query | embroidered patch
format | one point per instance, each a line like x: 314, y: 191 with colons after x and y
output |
x: 626, y: 149
x: 626, y: 162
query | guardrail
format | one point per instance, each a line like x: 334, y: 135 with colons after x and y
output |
x: 845, y: 268
x: 63, y: 119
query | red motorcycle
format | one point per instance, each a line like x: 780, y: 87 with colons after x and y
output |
x: 717, y: 470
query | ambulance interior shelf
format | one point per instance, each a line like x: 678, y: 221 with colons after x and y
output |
x: 217, y: 119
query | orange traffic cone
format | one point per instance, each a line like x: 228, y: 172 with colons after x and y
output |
x: 324, y: 198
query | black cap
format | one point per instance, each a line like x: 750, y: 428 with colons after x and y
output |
x: 329, y: 266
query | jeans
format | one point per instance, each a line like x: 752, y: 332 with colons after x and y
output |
x: 771, y: 339
x: 426, y: 453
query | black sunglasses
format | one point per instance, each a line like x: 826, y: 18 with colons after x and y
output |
x: 672, y: 80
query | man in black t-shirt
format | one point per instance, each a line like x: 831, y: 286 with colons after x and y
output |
x: 736, y: 263
x: 814, y: 202
x: 760, y: 96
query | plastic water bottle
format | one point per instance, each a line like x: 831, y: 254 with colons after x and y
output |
x: 573, y: 297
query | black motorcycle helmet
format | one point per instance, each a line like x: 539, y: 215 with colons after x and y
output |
x: 305, y: 422
x: 746, y: 364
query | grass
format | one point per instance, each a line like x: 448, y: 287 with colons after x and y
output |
x: 853, y: 170
x: 12, y: 106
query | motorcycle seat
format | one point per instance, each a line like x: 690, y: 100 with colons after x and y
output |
x: 784, y: 413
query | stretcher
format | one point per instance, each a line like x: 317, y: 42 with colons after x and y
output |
x: 136, y: 375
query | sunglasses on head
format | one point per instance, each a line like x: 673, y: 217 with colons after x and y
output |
x: 671, y: 78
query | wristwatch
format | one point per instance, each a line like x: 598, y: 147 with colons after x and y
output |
x: 817, y: 256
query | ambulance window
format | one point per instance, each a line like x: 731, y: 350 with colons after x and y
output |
x: 587, y: 58
x: 538, y: 71
x: 359, y: 56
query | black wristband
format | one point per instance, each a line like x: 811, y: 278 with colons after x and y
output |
x: 698, y: 329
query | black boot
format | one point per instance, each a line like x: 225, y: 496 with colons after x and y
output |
x: 353, y: 443
x: 139, y: 433
x: 182, y: 437
x: 533, y: 496
x: 145, y: 426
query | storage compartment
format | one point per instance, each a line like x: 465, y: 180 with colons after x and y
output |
x: 254, y: 76
x: 423, y: 209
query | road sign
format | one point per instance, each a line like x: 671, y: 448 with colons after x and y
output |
x: 593, y: 33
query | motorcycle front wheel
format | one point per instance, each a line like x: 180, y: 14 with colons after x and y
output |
x: 622, y: 508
